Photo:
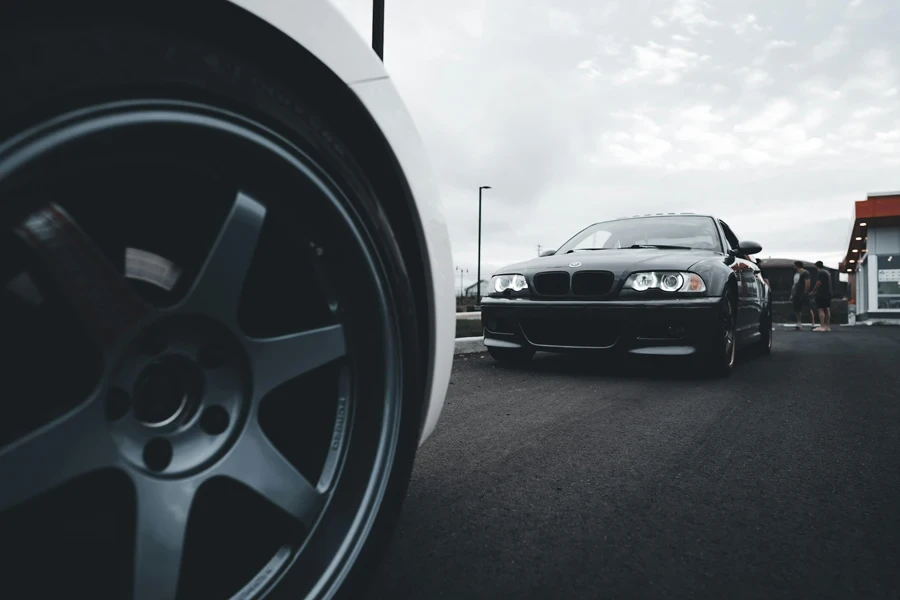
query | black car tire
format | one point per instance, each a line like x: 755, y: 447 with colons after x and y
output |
x: 516, y: 356
x: 720, y: 359
x: 767, y: 332
x: 65, y: 65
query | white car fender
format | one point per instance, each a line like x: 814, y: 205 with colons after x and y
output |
x: 384, y: 104
x: 321, y: 29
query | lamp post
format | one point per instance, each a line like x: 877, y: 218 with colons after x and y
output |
x: 478, y: 278
x: 462, y: 290
x: 378, y: 28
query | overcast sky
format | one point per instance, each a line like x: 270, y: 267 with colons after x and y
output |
x: 772, y: 114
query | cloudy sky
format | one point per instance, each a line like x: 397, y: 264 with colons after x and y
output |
x: 773, y: 114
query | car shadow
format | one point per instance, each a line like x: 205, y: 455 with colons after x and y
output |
x: 661, y: 368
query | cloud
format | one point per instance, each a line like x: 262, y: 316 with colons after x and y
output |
x: 590, y: 105
x: 590, y: 69
x: 814, y: 118
x: 773, y: 115
x: 868, y: 112
x: 754, y: 78
x: 690, y: 14
x: 832, y: 45
x: 746, y: 24
x: 776, y: 44
x: 663, y: 65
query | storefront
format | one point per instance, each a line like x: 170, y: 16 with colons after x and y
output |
x: 872, y: 260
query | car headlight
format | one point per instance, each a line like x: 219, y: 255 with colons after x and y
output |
x: 667, y: 281
x: 502, y: 283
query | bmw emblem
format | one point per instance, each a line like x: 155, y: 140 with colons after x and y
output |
x: 575, y: 264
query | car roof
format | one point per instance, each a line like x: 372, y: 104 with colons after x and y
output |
x: 671, y: 214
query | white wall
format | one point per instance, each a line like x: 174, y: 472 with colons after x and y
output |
x: 884, y: 241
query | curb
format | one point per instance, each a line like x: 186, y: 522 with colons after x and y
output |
x: 469, y: 345
x: 468, y: 316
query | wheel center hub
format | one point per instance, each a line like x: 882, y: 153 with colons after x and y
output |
x: 178, y: 396
x: 162, y: 393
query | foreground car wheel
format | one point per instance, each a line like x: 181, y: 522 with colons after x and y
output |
x: 511, y: 355
x: 723, y: 351
x: 213, y: 392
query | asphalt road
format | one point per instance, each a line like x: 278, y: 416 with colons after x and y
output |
x: 567, y: 479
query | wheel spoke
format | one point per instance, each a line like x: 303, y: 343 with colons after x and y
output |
x: 68, y: 260
x: 72, y: 445
x: 217, y: 289
x: 256, y: 463
x: 163, y: 508
x: 280, y: 359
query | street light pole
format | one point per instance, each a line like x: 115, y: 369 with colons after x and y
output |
x: 462, y: 290
x: 378, y: 28
x: 478, y: 278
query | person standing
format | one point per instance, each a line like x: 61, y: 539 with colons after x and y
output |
x: 822, y: 293
x: 800, y: 295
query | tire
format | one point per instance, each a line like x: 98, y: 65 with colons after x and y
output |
x: 68, y: 65
x: 721, y: 358
x: 513, y: 356
x: 767, y: 333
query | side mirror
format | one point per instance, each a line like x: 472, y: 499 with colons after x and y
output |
x: 748, y: 248
x: 548, y: 252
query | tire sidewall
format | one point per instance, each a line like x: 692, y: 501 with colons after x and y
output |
x: 722, y: 365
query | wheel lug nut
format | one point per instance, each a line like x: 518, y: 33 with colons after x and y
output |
x: 214, y: 420
x: 158, y: 454
x: 118, y: 403
x: 211, y: 357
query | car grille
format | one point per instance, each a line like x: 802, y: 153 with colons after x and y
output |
x: 581, y: 333
x: 551, y: 284
x: 592, y: 283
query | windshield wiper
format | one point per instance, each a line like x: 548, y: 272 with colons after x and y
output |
x: 660, y: 246
x: 584, y: 249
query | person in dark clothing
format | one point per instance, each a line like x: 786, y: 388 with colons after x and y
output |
x: 822, y: 292
x: 800, y: 295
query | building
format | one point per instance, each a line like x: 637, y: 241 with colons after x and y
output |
x: 873, y: 257
x: 479, y: 292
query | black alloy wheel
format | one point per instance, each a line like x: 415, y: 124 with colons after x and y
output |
x: 208, y: 370
x: 723, y: 354
x: 766, y: 331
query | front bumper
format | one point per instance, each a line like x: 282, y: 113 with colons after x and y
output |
x: 656, y: 327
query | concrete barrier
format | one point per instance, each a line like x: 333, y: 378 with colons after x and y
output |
x: 470, y: 345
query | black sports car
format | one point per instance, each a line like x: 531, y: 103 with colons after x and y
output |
x: 676, y: 284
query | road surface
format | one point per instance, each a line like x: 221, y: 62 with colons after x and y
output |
x: 569, y: 479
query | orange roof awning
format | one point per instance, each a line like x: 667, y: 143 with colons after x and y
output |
x: 878, y: 209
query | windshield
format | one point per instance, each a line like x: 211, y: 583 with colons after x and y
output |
x: 697, y: 233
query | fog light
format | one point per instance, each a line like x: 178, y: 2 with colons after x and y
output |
x: 676, y: 331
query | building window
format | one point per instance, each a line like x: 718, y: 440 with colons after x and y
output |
x: 888, y: 283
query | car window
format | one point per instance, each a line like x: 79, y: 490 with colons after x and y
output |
x: 689, y: 232
x: 733, y: 241
x: 595, y: 240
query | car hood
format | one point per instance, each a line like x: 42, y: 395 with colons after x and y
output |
x: 619, y: 262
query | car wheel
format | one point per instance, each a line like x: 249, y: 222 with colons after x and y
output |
x: 212, y: 331
x: 767, y: 332
x: 723, y: 349
x: 511, y: 355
